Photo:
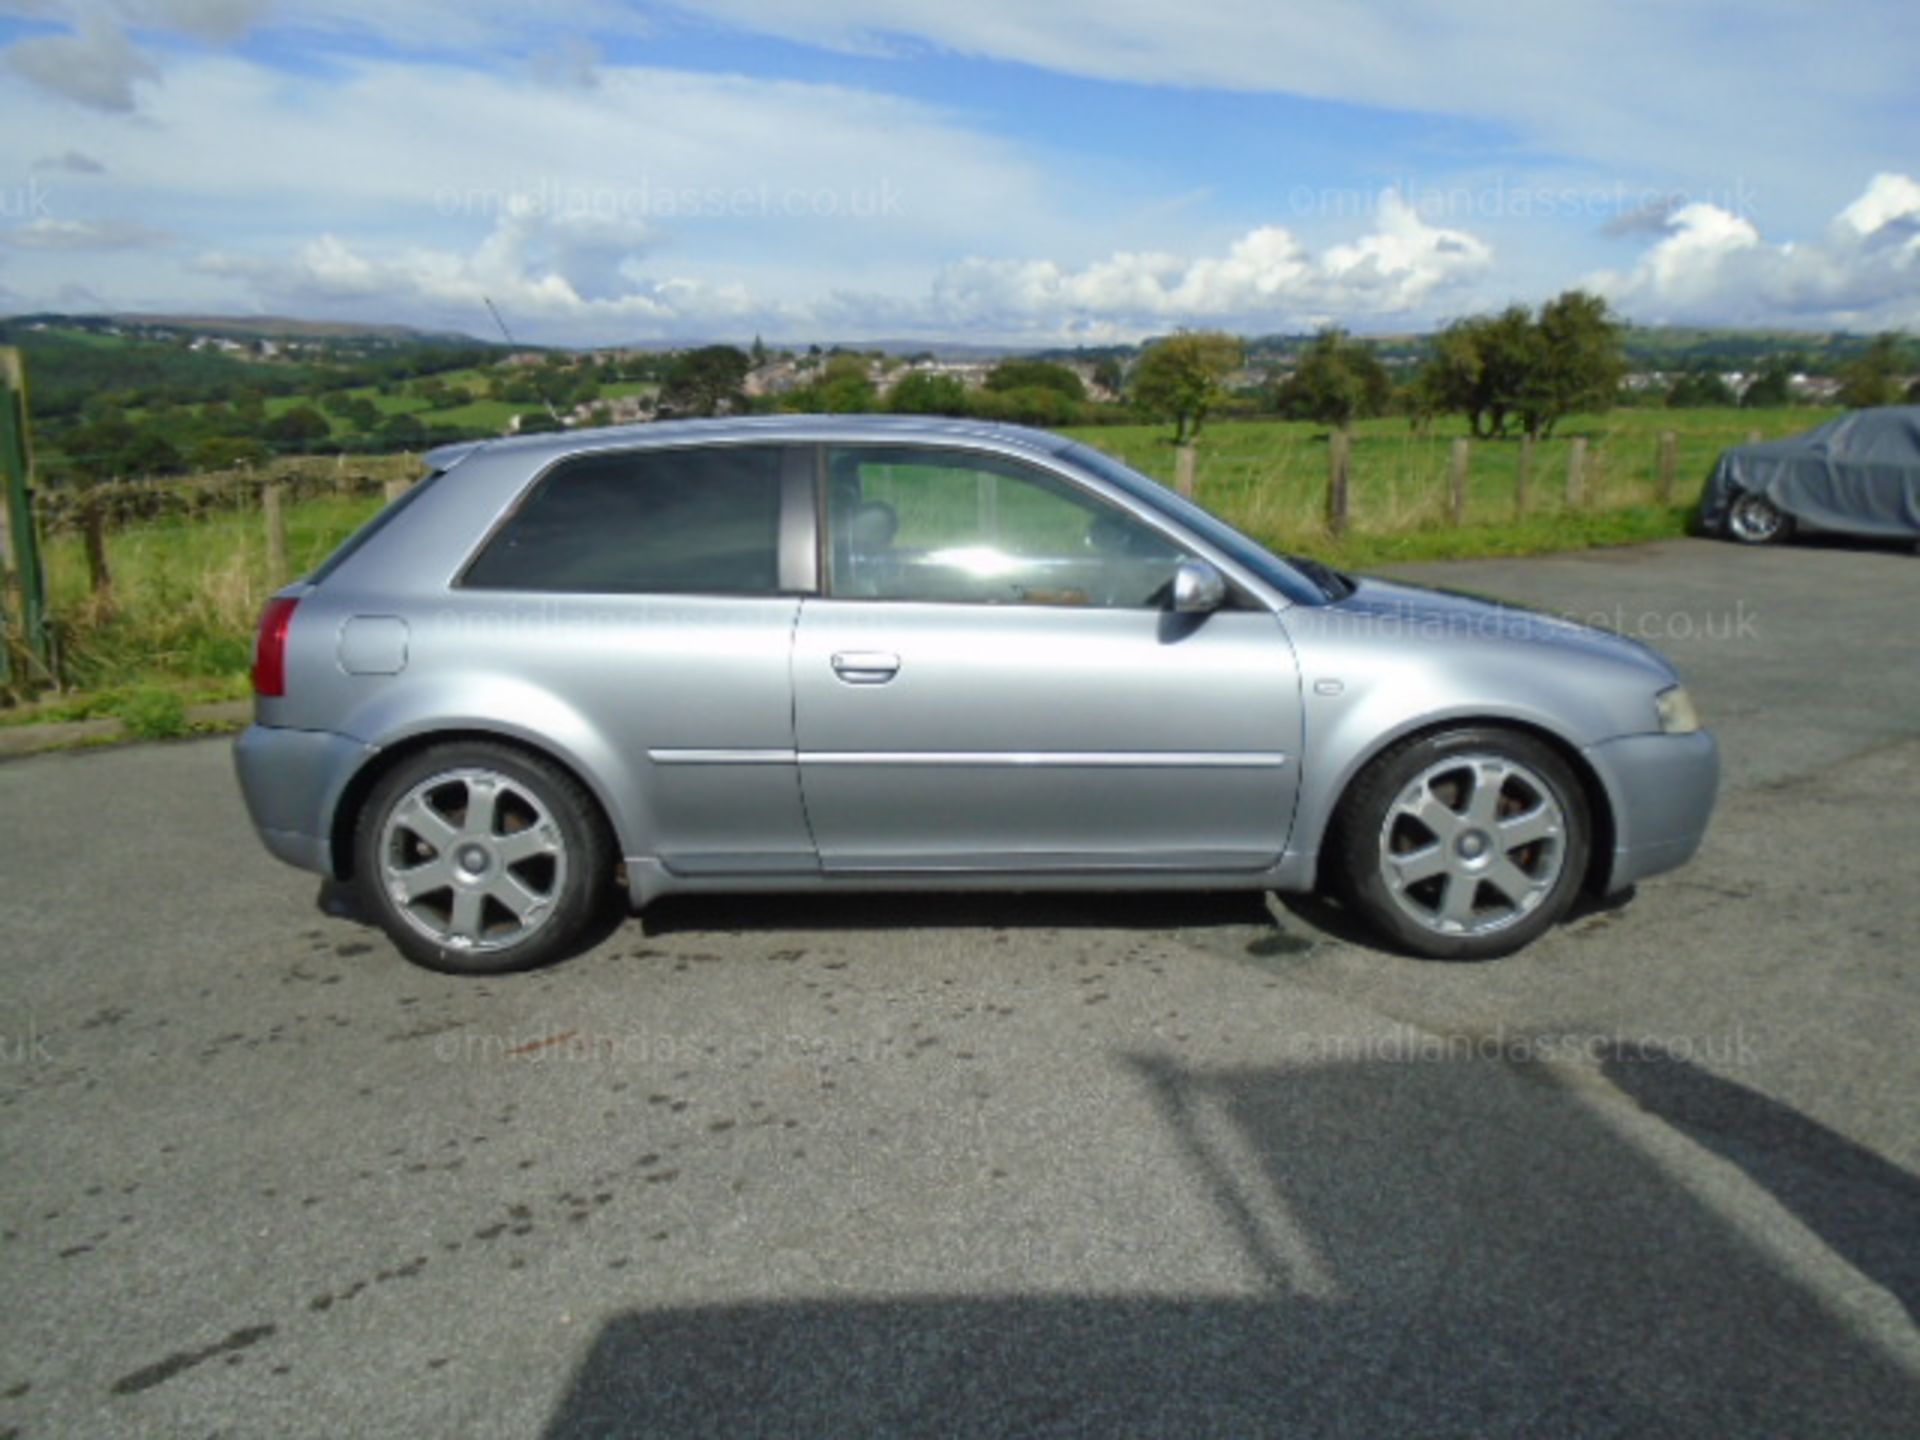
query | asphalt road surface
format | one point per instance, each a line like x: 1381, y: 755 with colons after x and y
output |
x: 991, y: 1165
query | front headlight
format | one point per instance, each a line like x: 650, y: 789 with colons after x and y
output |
x: 1675, y: 708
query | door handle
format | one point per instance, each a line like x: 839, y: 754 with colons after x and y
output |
x: 866, y: 667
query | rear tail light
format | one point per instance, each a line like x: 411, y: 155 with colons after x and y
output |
x: 270, y: 648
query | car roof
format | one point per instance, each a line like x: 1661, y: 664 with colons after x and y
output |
x: 779, y: 429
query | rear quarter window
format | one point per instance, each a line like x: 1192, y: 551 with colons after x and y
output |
x: 694, y: 521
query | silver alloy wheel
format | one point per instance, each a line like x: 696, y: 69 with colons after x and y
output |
x: 1472, y: 844
x: 473, y: 860
x: 1754, y: 520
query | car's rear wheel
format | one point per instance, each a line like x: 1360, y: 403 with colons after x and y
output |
x: 1756, y: 520
x: 479, y: 858
x: 1465, y: 844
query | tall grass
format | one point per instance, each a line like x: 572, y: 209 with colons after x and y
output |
x: 185, y: 593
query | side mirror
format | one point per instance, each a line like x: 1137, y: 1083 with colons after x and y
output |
x: 1198, y: 588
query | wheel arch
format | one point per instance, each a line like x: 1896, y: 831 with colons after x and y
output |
x: 1599, y: 801
x: 353, y: 796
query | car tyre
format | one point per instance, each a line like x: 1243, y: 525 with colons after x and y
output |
x: 1756, y: 520
x: 1465, y: 844
x: 480, y: 858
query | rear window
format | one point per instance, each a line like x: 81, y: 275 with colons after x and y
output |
x: 695, y: 521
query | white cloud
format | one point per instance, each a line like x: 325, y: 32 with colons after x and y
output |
x: 727, y: 186
x: 1888, y: 200
x: 1265, y: 278
x: 572, y: 275
x: 1863, y: 273
x: 48, y: 233
x: 596, y: 280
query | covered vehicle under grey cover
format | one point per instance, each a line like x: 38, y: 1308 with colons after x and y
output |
x: 1859, y: 474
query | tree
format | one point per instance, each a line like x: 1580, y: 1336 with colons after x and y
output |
x: 846, y: 395
x: 1869, y: 378
x: 150, y: 453
x: 1180, y: 378
x: 1497, y: 368
x: 1771, y: 388
x: 844, y: 387
x: 299, y: 428
x: 1479, y: 368
x: 1109, y: 374
x: 701, y: 382
x: 362, y: 414
x: 1037, y: 375
x: 922, y: 393
x: 402, y: 431
x: 1581, y: 363
x: 225, y: 452
x: 1698, y: 389
x: 1338, y: 380
x: 1028, y: 405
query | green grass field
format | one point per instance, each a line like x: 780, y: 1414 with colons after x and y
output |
x: 186, y: 593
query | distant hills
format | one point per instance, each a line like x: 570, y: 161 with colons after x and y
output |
x: 1653, y: 347
x: 278, y: 327
x: 239, y: 327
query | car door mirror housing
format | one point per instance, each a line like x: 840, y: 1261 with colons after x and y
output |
x: 1198, y: 588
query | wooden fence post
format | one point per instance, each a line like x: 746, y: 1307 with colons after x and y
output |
x: 1457, y: 483
x: 272, y: 506
x: 1669, y: 466
x: 93, y: 535
x: 1577, y: 471
x: 1183, y: 468
x: 1522, y: 476
x: 1339, y: 456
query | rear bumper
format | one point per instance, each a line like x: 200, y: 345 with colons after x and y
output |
x: 1662, y: 789
x: 292, y: 781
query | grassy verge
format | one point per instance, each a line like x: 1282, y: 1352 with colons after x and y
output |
x: 185, y: 596
x: 179, y: 625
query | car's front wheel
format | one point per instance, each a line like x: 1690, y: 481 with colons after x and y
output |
x: 1756, y: 520
x: 479, y: 858
x: 1465, y: 844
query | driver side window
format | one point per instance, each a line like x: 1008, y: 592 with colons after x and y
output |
x: 952, y: 526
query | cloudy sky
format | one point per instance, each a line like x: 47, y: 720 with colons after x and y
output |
x: 1003, y: 170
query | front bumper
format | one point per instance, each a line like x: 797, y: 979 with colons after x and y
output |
x: 1661, y: 789
x: 292, y: 781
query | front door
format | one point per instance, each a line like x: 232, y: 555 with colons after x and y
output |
x: 992, y: 681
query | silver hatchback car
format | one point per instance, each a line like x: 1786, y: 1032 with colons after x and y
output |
x: 804, y: 653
